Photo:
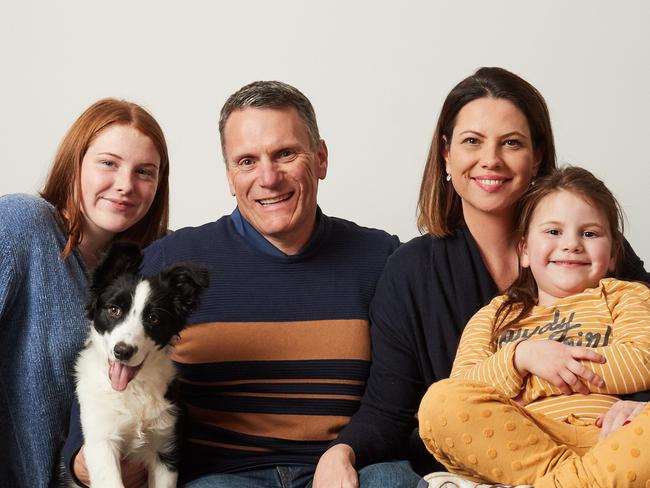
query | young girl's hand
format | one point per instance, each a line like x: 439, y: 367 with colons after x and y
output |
x: 558, y: 364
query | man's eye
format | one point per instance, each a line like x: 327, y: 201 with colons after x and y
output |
x: 245, y: 162
x: 114, y: 311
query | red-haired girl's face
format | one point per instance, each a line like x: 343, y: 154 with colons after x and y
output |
x: 119, y: 178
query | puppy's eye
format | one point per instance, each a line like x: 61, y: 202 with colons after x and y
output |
x: 152, y: 319
x: 114, y: 311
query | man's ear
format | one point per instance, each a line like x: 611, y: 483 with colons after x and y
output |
x: 322, y: 160
x: 231, y: 180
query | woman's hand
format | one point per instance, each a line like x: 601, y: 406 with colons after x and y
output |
x: 335, y: 468
x: 621, y: 413
x: 558, y: 364
x: 133, y: 475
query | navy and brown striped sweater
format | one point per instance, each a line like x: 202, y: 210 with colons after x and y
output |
x: 276, y: 357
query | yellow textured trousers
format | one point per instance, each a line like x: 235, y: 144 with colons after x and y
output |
x: 477, y: 432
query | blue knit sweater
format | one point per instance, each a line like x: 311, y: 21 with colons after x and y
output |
x: 42, y: 327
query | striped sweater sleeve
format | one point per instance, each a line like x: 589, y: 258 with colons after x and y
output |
x: 627, y: 354
x: 627, y: 369
x: 477, y: 358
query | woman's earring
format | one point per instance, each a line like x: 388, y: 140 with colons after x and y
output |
x: 448, y: 178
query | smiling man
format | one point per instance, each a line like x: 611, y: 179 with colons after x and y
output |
x: 273, y: 363
x: 274, y: 165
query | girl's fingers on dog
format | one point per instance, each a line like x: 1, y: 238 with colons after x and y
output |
x: 79, y: 467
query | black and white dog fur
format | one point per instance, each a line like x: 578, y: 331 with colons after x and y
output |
x: 124, y: 372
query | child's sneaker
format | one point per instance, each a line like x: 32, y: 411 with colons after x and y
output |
x: 449, y: 480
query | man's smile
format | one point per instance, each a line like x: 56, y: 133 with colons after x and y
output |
x: 271, y: 201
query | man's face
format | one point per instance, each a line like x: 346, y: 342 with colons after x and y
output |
x: 273, y: 171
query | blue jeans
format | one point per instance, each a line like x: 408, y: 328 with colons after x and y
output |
x: 396, y: 474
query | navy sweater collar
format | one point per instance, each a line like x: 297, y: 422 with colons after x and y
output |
x: 259, y: 242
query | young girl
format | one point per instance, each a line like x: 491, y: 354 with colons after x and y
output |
x: 109, y: 180
x: 537, y: 366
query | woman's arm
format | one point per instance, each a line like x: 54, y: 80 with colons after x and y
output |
x: 631, y: 268
x: 380, y: 428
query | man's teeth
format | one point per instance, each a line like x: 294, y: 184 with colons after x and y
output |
x: 491, y: 182
x: 281, y: 198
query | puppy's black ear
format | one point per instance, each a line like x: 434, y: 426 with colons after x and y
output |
x: 121, y: 258
x: 186, y: 281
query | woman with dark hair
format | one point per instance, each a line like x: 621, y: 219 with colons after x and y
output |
x: 109, y: 181
x: 493, y: 137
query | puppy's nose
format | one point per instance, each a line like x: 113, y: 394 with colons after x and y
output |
x: 123, y: 351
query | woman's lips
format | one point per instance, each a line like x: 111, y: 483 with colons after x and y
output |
x: 490, y: 183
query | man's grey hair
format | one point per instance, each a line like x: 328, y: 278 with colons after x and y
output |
x: 270, y: 94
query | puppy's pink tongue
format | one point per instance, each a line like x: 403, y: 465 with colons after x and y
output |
x: 120, y: 375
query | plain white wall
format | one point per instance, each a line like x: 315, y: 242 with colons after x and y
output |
x: 376, y: 71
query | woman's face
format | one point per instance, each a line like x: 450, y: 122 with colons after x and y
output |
x: 490, y: 158
x: 119, y: 178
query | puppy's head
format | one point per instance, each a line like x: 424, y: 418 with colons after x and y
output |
x: 133, y: 316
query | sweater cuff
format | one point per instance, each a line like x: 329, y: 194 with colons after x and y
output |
x: 73, y: 442
x: 513, y: 382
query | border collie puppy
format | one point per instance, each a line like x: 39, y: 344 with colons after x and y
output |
x: 124, y: 372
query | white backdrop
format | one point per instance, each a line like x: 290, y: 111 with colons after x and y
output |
x: 376, y: 71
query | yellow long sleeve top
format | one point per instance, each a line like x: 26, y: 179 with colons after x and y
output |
x: 613, y: 319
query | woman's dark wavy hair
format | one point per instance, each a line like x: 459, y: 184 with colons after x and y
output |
x: 522, y: 294
x: 439, y: 208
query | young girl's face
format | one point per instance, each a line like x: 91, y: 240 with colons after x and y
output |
x: 568, y: 247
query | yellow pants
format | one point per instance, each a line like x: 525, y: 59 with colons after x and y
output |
x: 477, y: 432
